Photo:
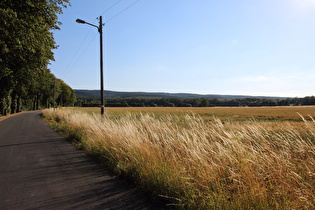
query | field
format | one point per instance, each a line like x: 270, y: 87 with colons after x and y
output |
x: 204, y: 158
x: 285, y: 113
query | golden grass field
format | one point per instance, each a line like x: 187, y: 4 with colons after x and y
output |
x: 282, y: 113
x: 204, y: 158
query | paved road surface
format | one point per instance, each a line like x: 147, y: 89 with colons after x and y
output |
x: 40, y: 170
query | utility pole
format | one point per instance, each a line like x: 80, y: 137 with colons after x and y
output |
x: 100, y: 30
x: 55, y: 95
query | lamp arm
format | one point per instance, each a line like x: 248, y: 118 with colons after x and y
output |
x: 91, y: 25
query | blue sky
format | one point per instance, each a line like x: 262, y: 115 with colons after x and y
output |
x: 236, y: 47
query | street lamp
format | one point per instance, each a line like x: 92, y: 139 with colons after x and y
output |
x: 100, y: 30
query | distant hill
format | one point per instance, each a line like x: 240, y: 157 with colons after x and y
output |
x: 115, y: 94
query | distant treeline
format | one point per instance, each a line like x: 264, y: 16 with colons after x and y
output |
x: 196, y: 102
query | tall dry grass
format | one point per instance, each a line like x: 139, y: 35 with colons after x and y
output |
x: 203, y: 164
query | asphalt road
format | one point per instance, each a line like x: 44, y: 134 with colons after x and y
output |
x: 39, y: 169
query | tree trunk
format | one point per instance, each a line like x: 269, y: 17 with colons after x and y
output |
x: 14, y: 104
x: 35, y: 103
x: 19, y: 104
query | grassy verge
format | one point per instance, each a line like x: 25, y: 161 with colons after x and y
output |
x: 202, y: 164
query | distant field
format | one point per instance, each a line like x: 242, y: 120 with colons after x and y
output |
x: 285, y: 113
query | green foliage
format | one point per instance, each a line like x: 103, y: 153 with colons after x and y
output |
x: 204, y: 103
x: 26, y: 43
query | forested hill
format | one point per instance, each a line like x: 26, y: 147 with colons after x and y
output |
x: 26, y: 44
x: 140, y: 99
x: 116, y: 94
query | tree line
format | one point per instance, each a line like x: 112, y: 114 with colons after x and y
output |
x: 196, y: 102
x: 26, y: 44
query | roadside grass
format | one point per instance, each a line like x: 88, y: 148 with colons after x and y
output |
x: 202, y: 163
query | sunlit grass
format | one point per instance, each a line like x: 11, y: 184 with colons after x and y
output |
x: 202, y: 163
x: 281, y: 113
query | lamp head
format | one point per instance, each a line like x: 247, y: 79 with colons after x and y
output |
x: 80, y: 21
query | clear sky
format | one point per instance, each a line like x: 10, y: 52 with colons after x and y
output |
x: 235, y: 47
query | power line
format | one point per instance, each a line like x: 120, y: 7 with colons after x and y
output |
x: 78, y: 59
x: 69, y: 66
x: 74, y: 55
x: 119, y: 13
x: 111, y: 7
x: 68, y: 69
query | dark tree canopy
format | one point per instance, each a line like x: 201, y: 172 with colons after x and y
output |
x: 26, y: 44
x: 192, y: 102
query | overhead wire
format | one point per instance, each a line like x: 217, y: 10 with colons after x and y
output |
x: 119, y: 13
x: 111, y: 7
x: 75, y: 54
x: 69, y: 67
x: 83, y: 52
